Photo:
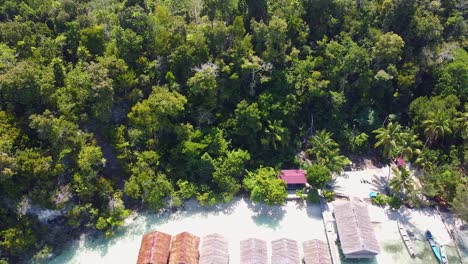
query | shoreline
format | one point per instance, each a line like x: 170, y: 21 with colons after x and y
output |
x: 269, y: 219
x: 237, y: 220
x: 242, y: 219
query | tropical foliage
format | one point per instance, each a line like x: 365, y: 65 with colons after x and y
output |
x: 318, y: 176
x: 108, y: 106
x: 264, y: 186
x: 402, y: 181
x: 324, y: 151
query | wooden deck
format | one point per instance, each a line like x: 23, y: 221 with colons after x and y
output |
x: 330, y: 230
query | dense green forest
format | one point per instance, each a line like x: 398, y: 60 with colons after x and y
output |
x: 107, y: 106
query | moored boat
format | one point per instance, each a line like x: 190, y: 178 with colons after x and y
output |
x: 443, y: 255
x: 433, y: 244
x: 406, y: 239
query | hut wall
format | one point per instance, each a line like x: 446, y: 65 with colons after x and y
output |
x: 360, y: 255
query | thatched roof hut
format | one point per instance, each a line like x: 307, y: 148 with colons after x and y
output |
x: 184, y: 249
x: 284, y: 251
x: 154, y: 248
x: 214, y: 250
x: 316, y: 252
x: 253, y: 251
x: 355, y: 230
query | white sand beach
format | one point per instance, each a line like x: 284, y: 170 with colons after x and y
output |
x: 350, y: 183
x: 236, y: 221
x: 242, y: 219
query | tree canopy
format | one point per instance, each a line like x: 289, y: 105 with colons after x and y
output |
x: 108, y: 106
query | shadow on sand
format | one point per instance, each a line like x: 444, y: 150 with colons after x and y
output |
x: 265, y: 215
x: 379, y: 182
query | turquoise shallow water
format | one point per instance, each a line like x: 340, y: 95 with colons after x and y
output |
x: 424, y: 255
x: 395, y: 252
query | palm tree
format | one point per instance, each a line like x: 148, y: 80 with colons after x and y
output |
x: 402, y: 181
x: 276, y: 133
x: 336, y: 163
x: 326, y: 152
x: 427, y: 159
x: 388, y: 138
x: 436, y: 126
x: 409, y: 145
x: 321, y: 145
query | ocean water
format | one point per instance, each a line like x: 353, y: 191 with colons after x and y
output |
x: 394, y: 250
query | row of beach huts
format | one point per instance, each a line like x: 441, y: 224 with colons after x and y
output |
x: 350, y: 224
x: 348, y: 228
x: 184, y: 248
x: 346, y: 221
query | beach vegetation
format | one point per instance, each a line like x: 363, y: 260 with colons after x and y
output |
x: 318, y: 176
x: 381, y: 199
x: 359, y: 143
x: 388, y: 138
x: 313, y: 196
x: 264, y: 186
x: 301, y: 194
x: 395, y: 202
x: 402, y: 181
x: 328, y: 195
x: 42, y: 255
x: 442, y: 182
x: 325, y: 152
x: 459, y: 204
x: 186, y: 190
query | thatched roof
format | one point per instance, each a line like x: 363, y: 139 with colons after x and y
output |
x: 316, y: 252
x: 355, y: 230
x: 253, y: 251
x: 284, y: 251
x: 184, y: 249
x: 214, y: 250
x: 154, y: 248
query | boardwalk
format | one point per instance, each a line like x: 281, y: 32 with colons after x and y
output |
x: 330, y: 230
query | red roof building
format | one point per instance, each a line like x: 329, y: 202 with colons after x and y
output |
x: 294, y: 178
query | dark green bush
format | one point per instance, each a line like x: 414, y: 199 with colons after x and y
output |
x: 329, y: 195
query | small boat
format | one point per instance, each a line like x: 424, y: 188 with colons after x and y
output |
x: 443, y: 254
x: 431, y: 241
x: 406, y: 239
